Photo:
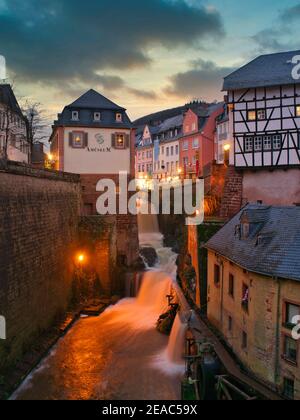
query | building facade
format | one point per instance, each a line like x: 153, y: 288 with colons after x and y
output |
x: 14, y: 143
x: 224, y: 147
x: 144, y: 154
x: 264, y: 105
x: 197, y: 145
x: 93, y: 137
x: 254, y: 292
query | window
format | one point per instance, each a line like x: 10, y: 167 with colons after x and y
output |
x: 168, y: 167
x: 257, y: 144
x: 290, y: 349
x: 244, y: 341
x: 177, y: 150
x: 230, y: 324
x: 267, y: 143
x: 195, y: 158
x: 97, y: 116
x: 195, y: 143
x: 217, y: 275
x: 163, y: 164
x: 120, y: 141
x: 185, y: 145
x: 231, y: 285
x: 261, y: 114
x: 277, y: 142
x: 289, y: 388
x: 75, y: 115
x: 172, y: 151
x: 78, y: 140
x: 248, y: 144
x: 194, y: 127
x: 252, y: 115
x: 245, y: 297
x: 185, y: 161
x: 168, y: 151
x: 162, y: 150
x: 298, y: 111
x: 291, y: 311
x: 119, y: 117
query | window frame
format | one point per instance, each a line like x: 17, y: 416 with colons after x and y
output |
x: 116, y: 141
x: 217, y: 275
x: 82, y: 144
x: 293, y: 361
x: 247, y: 144
x: 78, y: 116
x: 231, y: 285
x: 99, y: 118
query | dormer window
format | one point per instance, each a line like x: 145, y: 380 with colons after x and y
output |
x: 119, y: 117
x: 75, y: 115
x: 245, y: 230
x: 97, y: 116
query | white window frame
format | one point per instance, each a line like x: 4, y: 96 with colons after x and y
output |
x: 261, y: 114
x: 97, y: 116
x: 119, y: 117
x: 249, y: 144
x: 196, y: 143
x: 258, y: 142
x: 75, y: 115
x: 276, y: 139
x: 267, y: 143
x: 185, y: 145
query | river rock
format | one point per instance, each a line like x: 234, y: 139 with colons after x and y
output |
x: 150, y: 256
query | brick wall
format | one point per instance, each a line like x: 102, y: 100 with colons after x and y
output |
x: 38, y: 232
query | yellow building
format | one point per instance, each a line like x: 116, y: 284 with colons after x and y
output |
x: 254, y: 292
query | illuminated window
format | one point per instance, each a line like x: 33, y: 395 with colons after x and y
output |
x: 120, y: 141
x: 252, y: 115
x: 194, y: 127
x: 291, y: 311
x: 77, y: 140
x: 298, y: 110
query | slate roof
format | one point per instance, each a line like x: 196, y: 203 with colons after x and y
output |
x: 264, y: 71
x: 174, y: 122
x: 94, y: 100
x: 8, y: 98
x: 89, y: 103
x: 273, y: 246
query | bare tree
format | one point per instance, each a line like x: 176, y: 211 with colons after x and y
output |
x: 36, y: 123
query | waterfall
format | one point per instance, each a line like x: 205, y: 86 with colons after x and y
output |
x: 156, y: 285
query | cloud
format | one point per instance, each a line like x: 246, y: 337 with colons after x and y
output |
x: 53, y: 41
x: 290, y: 14
x: 202, y: 81
x: 142, y: 94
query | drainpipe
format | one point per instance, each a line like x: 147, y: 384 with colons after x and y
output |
x: 277, y: 337
x: 222, y: 295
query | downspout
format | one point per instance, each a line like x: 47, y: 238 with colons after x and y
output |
x: 278, y: 329
x: 222, y: 295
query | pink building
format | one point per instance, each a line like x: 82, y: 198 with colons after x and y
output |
x: 198, y: 142
x: 144, y: 154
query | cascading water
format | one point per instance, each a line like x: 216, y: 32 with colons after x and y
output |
x: 170, y: 360
x: 119, y: 355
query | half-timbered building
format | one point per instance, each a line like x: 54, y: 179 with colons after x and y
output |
x: 264, y: 105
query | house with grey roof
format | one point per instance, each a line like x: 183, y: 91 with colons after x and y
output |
x: 264, y: 110
x: 254, y: 292
x: 95, y: 138
x: 14, y: 144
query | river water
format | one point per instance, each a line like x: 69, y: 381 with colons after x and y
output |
x: 118, y: 355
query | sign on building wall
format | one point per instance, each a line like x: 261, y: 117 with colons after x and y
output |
x: 2, y: 328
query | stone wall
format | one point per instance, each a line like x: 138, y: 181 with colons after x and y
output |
x: 39, y: 212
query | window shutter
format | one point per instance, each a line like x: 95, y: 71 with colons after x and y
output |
x: 113, y: 140
x: 127, y: 140
x: 71, y: 139
x: 86, y: 139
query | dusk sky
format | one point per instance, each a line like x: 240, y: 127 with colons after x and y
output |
x: 146, y: 55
